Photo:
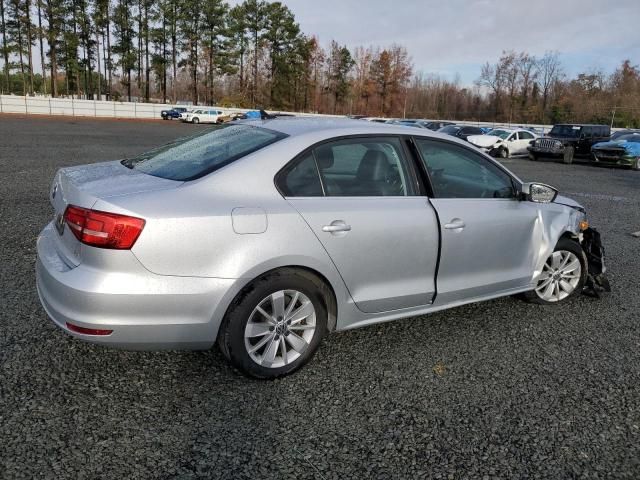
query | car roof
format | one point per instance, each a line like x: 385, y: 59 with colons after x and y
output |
x: 327, y: 127
x: 294, y: 126
x: 580, y: 125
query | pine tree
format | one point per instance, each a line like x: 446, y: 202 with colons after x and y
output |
x: 123, y: 46
x: 255, y: 19
x: 281, y: 33
x: 41, y: 44
x: 53, y: 12
x: 5, y: 46
x: 237, y: 32
x: 190, y: 23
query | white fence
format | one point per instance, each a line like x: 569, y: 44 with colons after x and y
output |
x: 104, y: 109
x: 83, y: 108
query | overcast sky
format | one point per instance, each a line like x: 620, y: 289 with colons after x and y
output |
x: 458, y: 36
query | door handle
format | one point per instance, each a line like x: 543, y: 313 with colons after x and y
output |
x: 337, y: 226
x: 455, y: 224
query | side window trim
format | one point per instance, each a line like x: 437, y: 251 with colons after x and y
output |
x: 419, y: 166
x: 312, y: 151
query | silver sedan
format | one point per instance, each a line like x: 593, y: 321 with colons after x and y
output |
x: 265, y: 235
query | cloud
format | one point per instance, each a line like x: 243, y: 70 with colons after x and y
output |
x: 446, y: 33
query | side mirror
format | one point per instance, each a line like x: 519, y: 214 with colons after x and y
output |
x: 538, y: 192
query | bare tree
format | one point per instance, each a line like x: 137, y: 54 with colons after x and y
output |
x: 550, y: 71
x: 528, y: 69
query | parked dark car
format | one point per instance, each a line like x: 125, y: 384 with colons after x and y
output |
x: 435, y: 125
x: 407, y: 123
x: 626, y: 131
x: 568, y: 140
x: 173, y: 113
x: 461, y: 131
x: 623, y: 151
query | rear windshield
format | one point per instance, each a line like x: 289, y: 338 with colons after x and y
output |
x: 196, y: 156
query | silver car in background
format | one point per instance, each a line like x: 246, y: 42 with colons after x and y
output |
x: 264, y: 235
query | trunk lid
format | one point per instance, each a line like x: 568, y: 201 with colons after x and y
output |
x: 84, y: 185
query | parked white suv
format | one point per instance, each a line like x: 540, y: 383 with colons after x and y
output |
x: 203, y: 115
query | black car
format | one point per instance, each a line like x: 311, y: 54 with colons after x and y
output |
x: 435, y: 125
x: 173, y: 113
x: 461, y: 131
x: 567, y: 140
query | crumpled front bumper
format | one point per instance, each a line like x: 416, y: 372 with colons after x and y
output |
x: 597, y: 281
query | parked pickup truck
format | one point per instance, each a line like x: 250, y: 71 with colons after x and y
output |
x: 568, y: 140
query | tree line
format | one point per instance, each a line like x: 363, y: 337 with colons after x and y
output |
x: 255, y: 55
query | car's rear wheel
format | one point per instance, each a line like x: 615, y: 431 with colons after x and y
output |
x: 275, y: 325
x: 567, y: 157
x: 563, y: 274
x: 195, y: 120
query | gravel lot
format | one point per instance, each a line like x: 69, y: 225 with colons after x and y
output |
x: 501, y: 389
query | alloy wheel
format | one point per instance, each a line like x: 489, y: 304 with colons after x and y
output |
x: 560, y: 276
x: 280, y: 328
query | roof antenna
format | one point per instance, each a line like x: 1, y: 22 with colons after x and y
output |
x: 266, y: 116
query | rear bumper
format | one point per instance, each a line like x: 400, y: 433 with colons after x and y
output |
x: 145, y: 311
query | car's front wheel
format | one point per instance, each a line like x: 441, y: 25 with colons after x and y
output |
x: 533, y: 156
x: 563, y: 274
x: 503, y: 153
x: 195, y: 120
x: 275, y: 325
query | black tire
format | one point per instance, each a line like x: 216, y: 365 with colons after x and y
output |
x: 231, y: 340
x: 503, y: 153
x: 570, y: 245
x: 533, y: 156
x: 568, y: 154
x: 195, y: 120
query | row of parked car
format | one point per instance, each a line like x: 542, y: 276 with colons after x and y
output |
x: 200, y: 115
x: 565, y: 141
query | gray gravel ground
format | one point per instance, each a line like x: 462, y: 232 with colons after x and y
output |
x: 501, y: 389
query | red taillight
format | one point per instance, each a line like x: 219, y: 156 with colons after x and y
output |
x: 88, y: 331
x: 103, y: 229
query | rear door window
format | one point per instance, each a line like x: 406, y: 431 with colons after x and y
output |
x: 300, y: 178
x: 358, y: 167
x: 525, y: 135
